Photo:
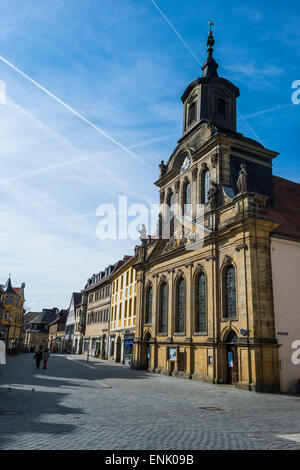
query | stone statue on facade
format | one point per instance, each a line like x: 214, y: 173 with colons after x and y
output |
x: 163, y: 168
x: 143, y: 233
x: 212, y: 194
x: 242, y: 180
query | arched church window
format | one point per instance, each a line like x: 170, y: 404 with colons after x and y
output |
x: 149, y: 296
x: 192, y: 113
x: 201, y: 318
x: 163, y: 308
x: 171, y: 205
x: 180, y: 307
x: 205, y: 186
x: 230, y: 293
x: 171, y: 212
x: 186, y: 198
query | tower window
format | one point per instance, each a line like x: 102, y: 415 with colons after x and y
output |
x: 192, y: 113
x: 221, y: 108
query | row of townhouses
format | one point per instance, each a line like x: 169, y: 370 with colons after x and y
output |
x: 100, y: 320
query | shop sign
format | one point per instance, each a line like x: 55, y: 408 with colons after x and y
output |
x: 172, y: 354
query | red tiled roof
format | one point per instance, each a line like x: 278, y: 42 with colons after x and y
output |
x: 286, y: 210
x: 126, y: 260
x: 16, y: 289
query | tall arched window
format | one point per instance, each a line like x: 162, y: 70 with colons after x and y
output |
x: 180, y: 307
x: 192, y: 113
x: 186, y: 198
x: 171, y: 205
x: 230, y: 293
x: 149, y: 305
x: 201, y: 316
x: 163, y: 308
x: 205, y: 186
x: 171, y: 213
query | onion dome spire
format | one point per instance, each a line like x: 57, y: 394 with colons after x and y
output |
x: 210, y: 65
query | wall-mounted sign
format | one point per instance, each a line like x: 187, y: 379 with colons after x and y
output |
x: 172, y: 354
x: 230, y: 359
x: 283, y: 333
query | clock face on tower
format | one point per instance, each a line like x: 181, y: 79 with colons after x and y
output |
x: 186, y: 163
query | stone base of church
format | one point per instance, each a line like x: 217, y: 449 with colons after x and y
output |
x: 203, y: 378
x: 210, y: 364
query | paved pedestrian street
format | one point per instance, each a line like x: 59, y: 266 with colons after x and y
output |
x: 76, y: 404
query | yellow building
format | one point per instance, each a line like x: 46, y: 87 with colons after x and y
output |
x: 11, y: 324
x: 123, y: 311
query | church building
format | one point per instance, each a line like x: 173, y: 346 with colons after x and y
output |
x: 205, y: 305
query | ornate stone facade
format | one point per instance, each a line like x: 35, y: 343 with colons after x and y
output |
x: 207, y: 312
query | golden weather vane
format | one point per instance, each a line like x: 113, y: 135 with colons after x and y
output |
x: 210, y: 25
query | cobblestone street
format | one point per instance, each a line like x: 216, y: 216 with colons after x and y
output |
x: 100, y: 405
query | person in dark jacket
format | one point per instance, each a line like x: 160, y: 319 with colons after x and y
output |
x: 38, y: 356
x: 46, y: 355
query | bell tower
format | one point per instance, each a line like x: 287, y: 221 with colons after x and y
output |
x: 210, y: 97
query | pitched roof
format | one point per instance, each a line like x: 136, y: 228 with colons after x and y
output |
x: 286, y: 209
x: 105, y: 279
x: 62, y: 316
x: 77, y: 298
x: 28, y: 317
x: 126, y: 261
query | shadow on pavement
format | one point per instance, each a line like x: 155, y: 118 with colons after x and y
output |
x: 24, y: 411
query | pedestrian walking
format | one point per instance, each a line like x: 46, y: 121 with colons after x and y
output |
x: 46, y: 355
x: 38, y: 356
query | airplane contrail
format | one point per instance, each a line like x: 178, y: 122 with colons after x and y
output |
x: 175, y: 31
x: 76, y: 113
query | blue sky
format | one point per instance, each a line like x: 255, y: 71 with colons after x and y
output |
x: 120, y: 65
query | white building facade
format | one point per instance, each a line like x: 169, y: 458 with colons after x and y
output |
x: 285, y: 256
